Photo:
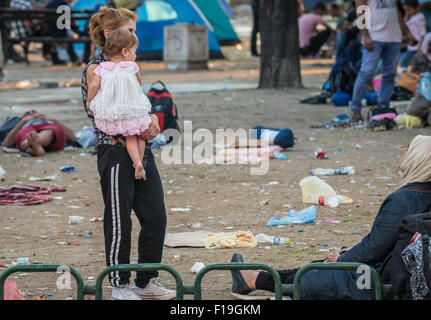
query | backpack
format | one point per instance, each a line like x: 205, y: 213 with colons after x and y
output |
x: 163, y: 106
x: 7, y: 126
x: 344, y: 79
x: 407, y: 268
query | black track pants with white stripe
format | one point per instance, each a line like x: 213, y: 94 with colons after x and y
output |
x: 122, y: 193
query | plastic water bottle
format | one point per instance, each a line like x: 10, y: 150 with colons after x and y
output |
x: 279, y: 155
x: 333, y: 202
x: 2, y: 173
x: 332, y: 172
x: 313, y: 188
x: 262, y: 237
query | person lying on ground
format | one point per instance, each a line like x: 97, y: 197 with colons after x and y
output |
x: 37, y: 133
x: 372, y: 250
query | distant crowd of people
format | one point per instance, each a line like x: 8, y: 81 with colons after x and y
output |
x: 31, y: 27
x: 398, y: 36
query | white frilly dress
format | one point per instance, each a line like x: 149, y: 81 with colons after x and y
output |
x: 120, y: 106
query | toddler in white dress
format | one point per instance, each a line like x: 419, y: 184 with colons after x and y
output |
x: 116, y: 97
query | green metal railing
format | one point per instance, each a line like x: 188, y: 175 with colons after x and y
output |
x: 335, y: 266
x: 238, y: 266
x: 140, y: 267
x: 81, y: 288
x: 196, y: 289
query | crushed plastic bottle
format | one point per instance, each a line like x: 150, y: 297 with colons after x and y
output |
x: 279, y: 155
x: 263, y: 238
x: 2, y: 173
x: 75, y: 219
x: 332, y: 172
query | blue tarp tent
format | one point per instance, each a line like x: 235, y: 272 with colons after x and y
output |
x: 309, y: 4
x: 154, y: 15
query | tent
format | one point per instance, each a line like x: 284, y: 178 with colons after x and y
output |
x: 226, y: 7
x: 219, y: 20
x: 153, y: 16
x: 309, y: 4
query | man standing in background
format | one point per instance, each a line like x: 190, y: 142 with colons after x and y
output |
x: 253, y: 45
x: 382, y: 41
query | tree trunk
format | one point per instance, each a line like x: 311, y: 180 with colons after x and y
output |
x: 279, y: 62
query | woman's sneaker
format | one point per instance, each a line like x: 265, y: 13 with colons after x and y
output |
x: 154, y: 291
x: 124, y: 293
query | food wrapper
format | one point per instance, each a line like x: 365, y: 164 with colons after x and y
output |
x: 239, y: 239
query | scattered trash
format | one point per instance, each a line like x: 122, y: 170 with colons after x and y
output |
x: 196, y: 225
x: 263, y: 238
x: 197, y: 267
x: 96, y: 219
x: 264, y: 202
x: 22, y: 260
x: 320, y: 154
x: 300, y: 230
x: 2, y: 173
x: 41, y: 297
x: 75, y: 219
x: 242, y: 239
x: 358, y: 146
x: 316, y: 191
x: 294, y: 217
x: 357, y: 231
x: 279, y: 155
x: 341, y: 120
x: 48, y: 178
x: 408, y: 121
x: 67, y: 169
x: 180, y: 209
x: 74, y: 207
x: 271, y: 183
x: 332, y: 221
x: 88, y: 235
x: 331, y: 172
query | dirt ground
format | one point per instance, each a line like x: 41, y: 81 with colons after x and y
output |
x: 220, y: 197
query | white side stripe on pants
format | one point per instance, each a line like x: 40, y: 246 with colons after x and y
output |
x: 116, y: 231
x: 117, y: 203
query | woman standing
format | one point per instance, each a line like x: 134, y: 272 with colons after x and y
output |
x: 121, y: 191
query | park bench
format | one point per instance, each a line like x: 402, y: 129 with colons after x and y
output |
x: 7, y: 15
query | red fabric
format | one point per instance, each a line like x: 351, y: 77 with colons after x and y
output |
x: 161, y: 117
x: 59, y: 143
x: 27, y: 194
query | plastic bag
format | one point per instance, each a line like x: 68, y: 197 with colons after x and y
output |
x: 11, y: 291
x: 424, y: 86
x: 307, y: 215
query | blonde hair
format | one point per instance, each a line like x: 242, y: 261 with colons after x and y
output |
x: 118, y: 40
x: 108, y: 18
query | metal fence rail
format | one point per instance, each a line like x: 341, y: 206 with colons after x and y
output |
x: 196, y: 290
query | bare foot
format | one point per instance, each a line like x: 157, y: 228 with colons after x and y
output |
x: 36, y: 147
x: 250, y: 277
x: 139, y: 171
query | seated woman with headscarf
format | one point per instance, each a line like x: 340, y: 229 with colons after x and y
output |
x: 372, y: 250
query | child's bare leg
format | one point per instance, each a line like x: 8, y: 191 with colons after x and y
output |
x: 141, y: 146
x: 133, y: 150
